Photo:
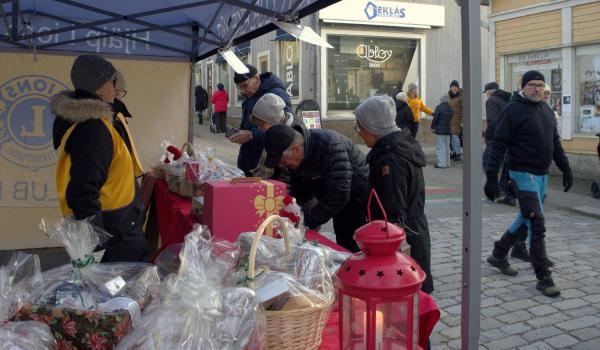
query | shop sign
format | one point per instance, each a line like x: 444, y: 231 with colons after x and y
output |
x: 374, y: 54
x: 372, y: 11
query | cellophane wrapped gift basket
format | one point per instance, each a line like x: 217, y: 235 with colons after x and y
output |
x: 88, y: 305
x: 17, y: 278
x: 200, y: 307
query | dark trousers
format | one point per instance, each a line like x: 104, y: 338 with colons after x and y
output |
x: 351, y: 217
x: 414, y: 128
x: 130, y: 247
x: 199, y: 115
x: 220, y: 121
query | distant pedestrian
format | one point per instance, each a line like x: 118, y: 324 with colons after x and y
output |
x: 455, y: 100
x: 528, y: 131
x: 416, y: 106
x: 442, y: 117
x: 201, y: 102
x: 220, y: 99
x: 404, y: 116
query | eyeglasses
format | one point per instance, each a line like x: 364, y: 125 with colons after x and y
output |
x: 357, y: 129
x: 122, y: 92
x: 536, y: 86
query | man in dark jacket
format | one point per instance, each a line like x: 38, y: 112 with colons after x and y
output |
x: 404, y: 116
x: 527, y: 128
x: 253, y: 87
x: 97, y: 165
x: 327, y: 166
x: 396, y: 161
x: 497, y: 99
x: 201, y: 101
x: 442, y: 117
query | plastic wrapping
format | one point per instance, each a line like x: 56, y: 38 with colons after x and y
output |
x: 213, y: 169
x: 198, y: 308
x: 15, y: 280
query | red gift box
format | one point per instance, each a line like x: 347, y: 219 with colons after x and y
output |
x: 240, y: 205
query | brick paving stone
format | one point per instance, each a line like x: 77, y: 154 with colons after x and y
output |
x: 572, y: 293
x: 451, y: 333
x: 513, y: 317
x: 491, y: 334
x: 495, y: 291
x: 490, y: 323
x: 536, y: 346
x: 570, y: 304
x: 542, y: 310
x: 582, y: 311
x: 519, y: 304
x: 562, y: 341
x: 586, y: 334
x: 594, y: 299
x: 492, y: 311
x: 511, y: 342
x: 516, y: 328
x: 542, y: 333
x: 583, y: 322
x: 588, y: 345
x: 543, y: 321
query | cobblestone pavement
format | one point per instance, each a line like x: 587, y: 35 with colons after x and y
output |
x: 514, y: 315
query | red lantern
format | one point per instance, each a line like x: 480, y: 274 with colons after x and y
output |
x: 378, y: 290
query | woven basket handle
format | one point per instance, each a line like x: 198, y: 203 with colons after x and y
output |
x: 189, y: 149
x: 374, y: 193
x: 257, y: 236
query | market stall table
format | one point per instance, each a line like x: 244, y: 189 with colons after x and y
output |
x: 175, y: 220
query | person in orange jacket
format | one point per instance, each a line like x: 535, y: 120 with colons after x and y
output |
x: 416, y: 106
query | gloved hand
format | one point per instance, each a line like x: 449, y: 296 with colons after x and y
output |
x: 491, y: 188
x: 567, y: 179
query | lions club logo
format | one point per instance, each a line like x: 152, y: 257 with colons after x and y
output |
x: 26, y: 121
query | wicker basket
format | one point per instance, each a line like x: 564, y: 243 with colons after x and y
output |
x: 299, y: 329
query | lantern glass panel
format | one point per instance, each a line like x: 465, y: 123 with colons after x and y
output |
x: 397, y: 324
x: 353, y: 321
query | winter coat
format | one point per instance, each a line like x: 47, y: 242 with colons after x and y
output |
x: 201, y: 98
x: 442, y: 116
x: 219, y: 99
x: 95, y: 169
x: 528, y: 130
x: 251, y: 151
x: 455, y: 101
x: 404, y: 116
x: 493, y: 107
x: 416, y: 106
x: 334, y: 171
x: 396, y: 174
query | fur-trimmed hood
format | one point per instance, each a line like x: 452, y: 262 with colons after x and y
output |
x: 79, y: 106
x: 72, y: 107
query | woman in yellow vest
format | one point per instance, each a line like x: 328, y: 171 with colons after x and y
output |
x: 97, y: 162
x: 416, y: 106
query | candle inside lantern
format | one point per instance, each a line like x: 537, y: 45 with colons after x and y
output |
x: 378, y: 329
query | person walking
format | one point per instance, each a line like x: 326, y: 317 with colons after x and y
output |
x: 396, y: 163
x: 455, y: 100
x: 220, y: 99
x: 97, y: 162
x: 527, y: 129
x: 404, y: 116
x: 442, y: 117
x: 416, y: 106
x: 253, y: 86
x: 201, y: 102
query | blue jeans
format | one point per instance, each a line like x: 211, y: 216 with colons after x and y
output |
x: 529, y: 183
x: 442, y: 151
x: 456, y: 145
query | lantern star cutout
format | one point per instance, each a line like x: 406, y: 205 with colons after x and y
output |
x: 379, y: 274
x: 348, y: 268
x: 413, y: 268
x: 399, y: 272
x: 361, y: 272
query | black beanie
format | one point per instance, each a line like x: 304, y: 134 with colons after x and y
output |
x: 454, y: 83
x: 531, y: 75
x: 240, y: 78
x: 90, y: 72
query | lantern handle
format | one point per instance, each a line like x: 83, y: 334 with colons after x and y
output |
x: 374, y: 193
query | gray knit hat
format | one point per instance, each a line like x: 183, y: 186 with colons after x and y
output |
x: 269, y: 108
x: 90, y: 72
x: 444, y: 98
x: 411, y: 86
x: 377, y: 115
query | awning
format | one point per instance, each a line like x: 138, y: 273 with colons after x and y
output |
x: 166, y: 28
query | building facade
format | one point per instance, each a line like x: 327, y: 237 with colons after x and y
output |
x: 378, y: 47
x: 561, y: 39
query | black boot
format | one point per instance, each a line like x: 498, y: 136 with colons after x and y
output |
x: 501, y: 248
x: 503, y: 265
x: 519, y: 251
x: 547, y: 287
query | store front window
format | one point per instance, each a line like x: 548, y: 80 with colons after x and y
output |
x: 289, y: 66
x: 549, y: 63
x: 361, y: 67
x: 587, y: 89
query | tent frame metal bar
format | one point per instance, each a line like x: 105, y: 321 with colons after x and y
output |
x: 15, y: 20
x: 212, y: 21
x: 252, y: 7
x: 241, y: 21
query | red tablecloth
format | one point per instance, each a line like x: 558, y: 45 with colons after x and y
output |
x: 175, y: 220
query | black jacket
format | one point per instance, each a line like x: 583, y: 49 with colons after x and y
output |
x: 528, y: 130
x: 493, y: 107
x: 201, y: 98
x: 333, y: 171
x: 404, y: 116
x: 396, y: 163
x: 442, y: 116
x: 251, y: 151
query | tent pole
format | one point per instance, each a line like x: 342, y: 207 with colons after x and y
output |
x: 472, y: 113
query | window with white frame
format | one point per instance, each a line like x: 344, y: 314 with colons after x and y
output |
x: 587, y: 89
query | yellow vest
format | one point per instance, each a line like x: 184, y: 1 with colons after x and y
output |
x: 117, y: 191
